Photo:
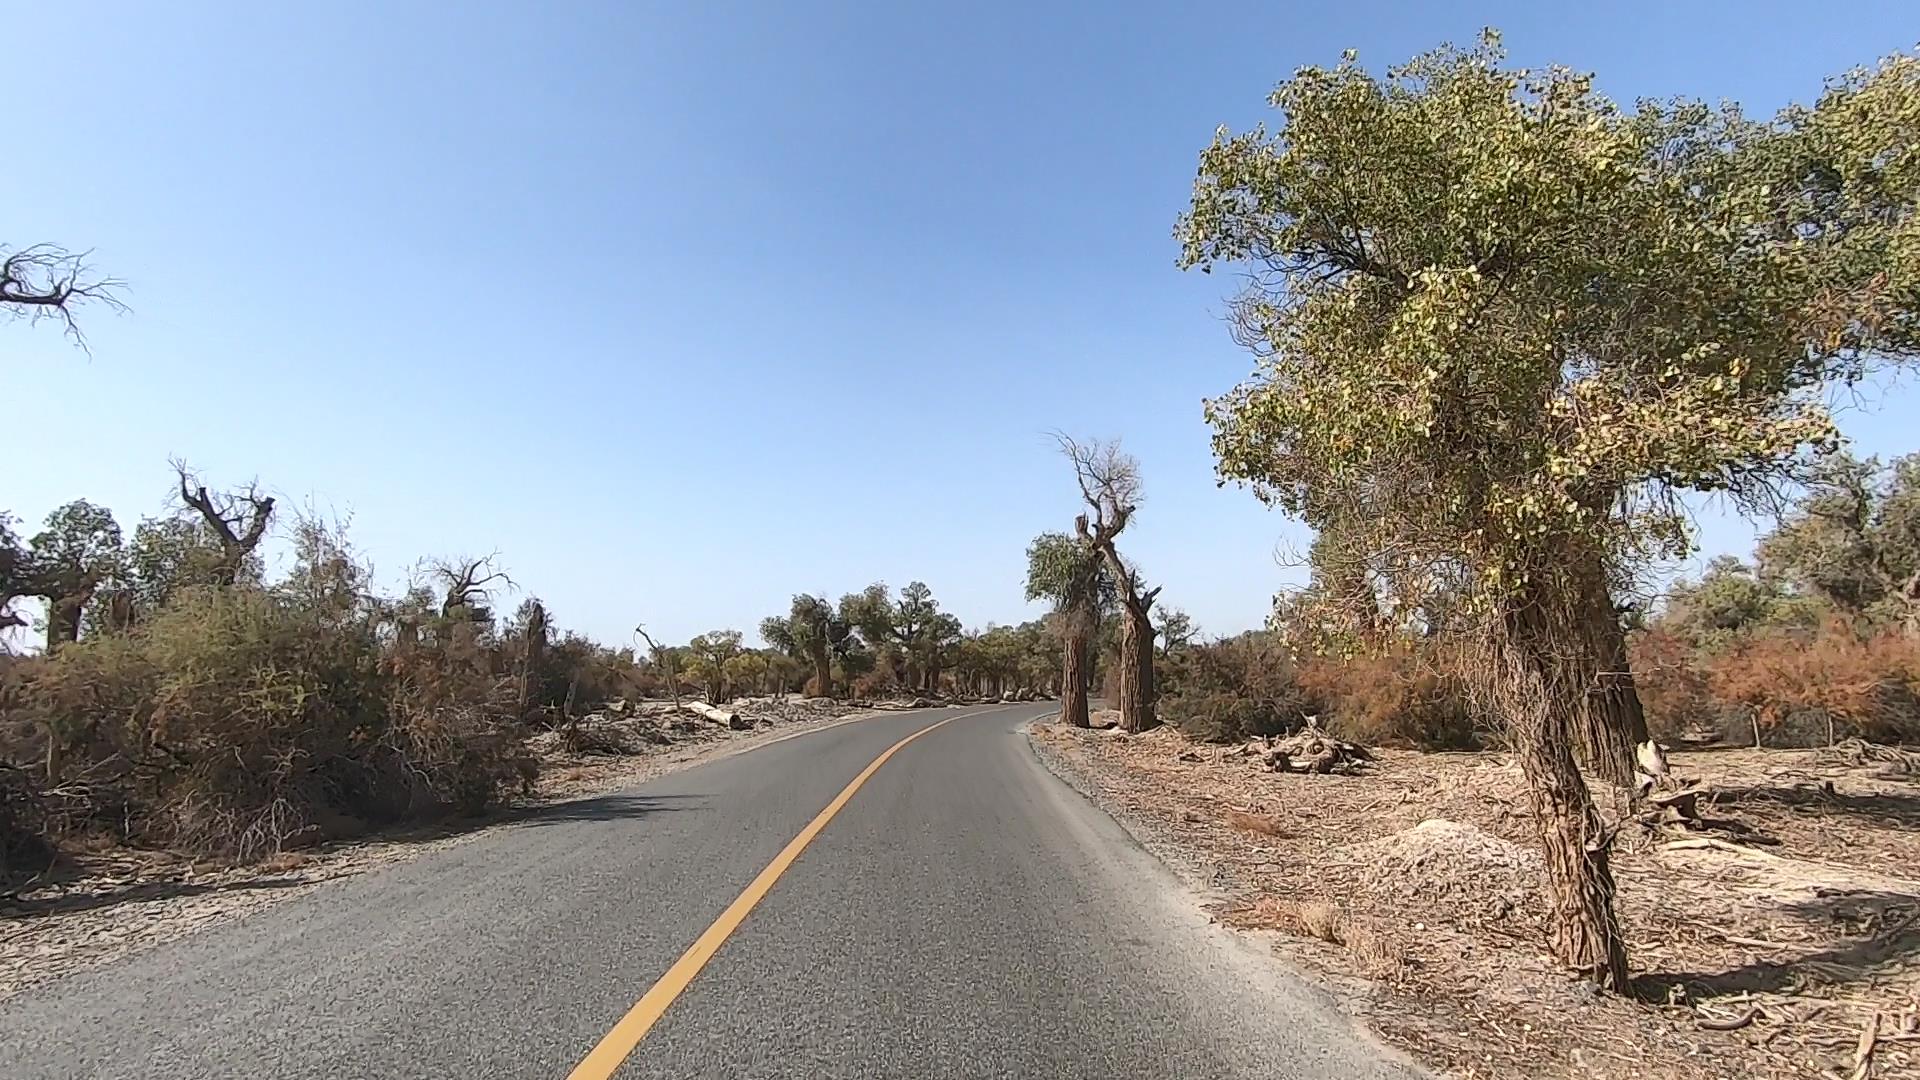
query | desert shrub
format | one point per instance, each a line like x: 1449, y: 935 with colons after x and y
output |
x: 1233, y: 689
x: 25, y: 846
x: 1671, y: 678
x: 577, y: 670
x: 1253, y: 684
x: 234, y: 722
x: 878, y: 683
x: 1835, y: 682
x: 1406, y: 695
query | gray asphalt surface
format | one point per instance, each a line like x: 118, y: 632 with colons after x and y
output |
x: 966, y: 915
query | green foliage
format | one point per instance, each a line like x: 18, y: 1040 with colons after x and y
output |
x: 923, y: 633
x: 1234, y: 689
x: 1500, y: 318
x: 749, y: 671
x: 1177, y: 630
x: 1853, y: 540
x: 1007, y: 658
x: 707, y: 658
x: 1065, y: 571
x: 1730, y: 601
x: 811, y: 632
x: 807, y: 626
x: 77, y: 550
x: 869, y: 612
x: 15, y: 573
x: 170, y: 554
x: 869, y: 641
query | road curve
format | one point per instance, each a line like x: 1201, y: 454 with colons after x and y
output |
x: 963, y: 915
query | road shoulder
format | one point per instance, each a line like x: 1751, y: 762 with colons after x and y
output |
x: 1213, y: 888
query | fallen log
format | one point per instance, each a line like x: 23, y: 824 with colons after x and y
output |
x: 709, y: 712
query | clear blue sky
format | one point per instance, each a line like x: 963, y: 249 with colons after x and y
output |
x: 687, y: 307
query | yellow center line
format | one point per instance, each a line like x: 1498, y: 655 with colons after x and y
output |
x: 612, y: 1050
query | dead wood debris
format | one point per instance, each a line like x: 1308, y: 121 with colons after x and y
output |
x: 1310, y: 750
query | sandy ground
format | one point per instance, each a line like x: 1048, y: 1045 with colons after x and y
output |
x: 1792, y: 919
x: 110, y: 903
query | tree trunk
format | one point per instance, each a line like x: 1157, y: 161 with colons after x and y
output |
x: 1583, y: 930
x: 1538, y: 681
x: 1149, y: 687
x: 1074, y: 679
x: 1612, y: 724
x: 536, y: 631
x: 63, y: 620
x: 822, y: 670
x: 1136, y: 670
x: 120, y: 613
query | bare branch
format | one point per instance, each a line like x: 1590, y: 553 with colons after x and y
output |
x: 48, y: 281
x: 1109, y: 481
x: 467, y: 580
x: 239, y: 519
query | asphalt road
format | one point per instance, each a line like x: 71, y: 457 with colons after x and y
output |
x: 964, y: 915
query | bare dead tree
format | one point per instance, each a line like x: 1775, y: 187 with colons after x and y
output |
x: 663, y: 659
x: 1110, y: 486
x: 48, y: 281
x: 466, y: 583
x: 238, y: 518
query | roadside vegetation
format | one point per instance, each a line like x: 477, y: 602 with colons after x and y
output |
x: 1504, y: 330
x: 182, y: 700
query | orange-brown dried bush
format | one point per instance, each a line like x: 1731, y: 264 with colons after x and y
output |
x: 1843, y: 681
x: 877, y: 683
x: 1672, y: 682
x: 1405, y: 696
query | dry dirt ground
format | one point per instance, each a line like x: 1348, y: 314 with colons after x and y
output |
x: 104, y: 904
x: 1782, y: 940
